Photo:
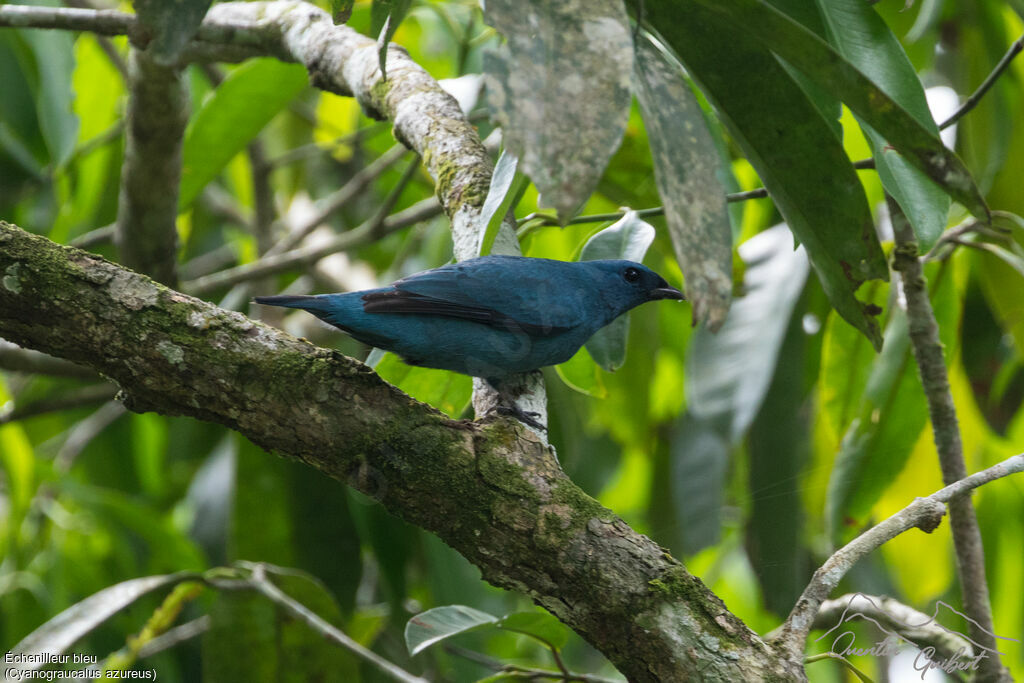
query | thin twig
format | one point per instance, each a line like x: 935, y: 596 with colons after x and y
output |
x: 526, y: 672
x: 305, y: 256
x: 924, y: 339
x: 259, y: 582
x: 94, y: 238
x: 925, y: 513
x: 66, y: 400
x: 972, y: 101
x: 339, y: 198
x: 84, y: 431
x: 13, y: 358
x: 844, y: 661
x: 893, y: 617
x: 109, y: 49
x: 316, y: 148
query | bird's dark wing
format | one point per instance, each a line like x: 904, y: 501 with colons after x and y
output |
x: 533, y: 295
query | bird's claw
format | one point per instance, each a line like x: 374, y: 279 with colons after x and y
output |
x: 527, y: 417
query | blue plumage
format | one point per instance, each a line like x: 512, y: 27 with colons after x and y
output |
x: 492, y: 316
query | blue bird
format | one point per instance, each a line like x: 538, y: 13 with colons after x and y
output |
x: 489, y: 317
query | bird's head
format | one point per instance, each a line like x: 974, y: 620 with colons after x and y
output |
x: 626, y: 284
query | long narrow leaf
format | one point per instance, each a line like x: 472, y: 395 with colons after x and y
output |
x: 792, y: 147
x: 560, y: 89
x: 68, y: 627
x: 861, y: 36
x: 232, y: 116
x: 826, y: 67
x: 686, y: 167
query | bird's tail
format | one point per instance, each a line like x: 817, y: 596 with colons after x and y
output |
x: 307, y: 302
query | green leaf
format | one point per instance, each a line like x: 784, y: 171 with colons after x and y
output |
x: 778, y: 446
x: 699, y: 458
x: 232, y: 116
x: 53, y: 54
x: 826, y: 67
x: 385, y: 18
x: 790, y: 144
x: 62, y: 631
x: 863, y: 38
x: 727, y: 374
x: 686, y: 168
x: 449, y: 392
x: 172, y: 25
x: 439, y: 623
x: 880, y: 438
x: 540, y: 625
x: 628, y: 238
x: 341, y: 10
x: 582, y: 374
x: 577, y: 60
x: 507, y: 188
x: 846, y: 359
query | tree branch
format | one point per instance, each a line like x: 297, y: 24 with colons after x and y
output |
x: 146, y: 231
x: 308, y: 255
x: 924, y: 513
x: 425, y: 117
x: 261, y: 583
x: 931, y: 365
x: 916, y: 627
x: 489, y: 489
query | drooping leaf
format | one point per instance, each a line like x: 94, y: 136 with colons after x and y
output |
x: 385, y: 18
x: 539, y: 625
x: 232, y: 116
x: 439, y: 623
x: 74, y: 623
x: 860, y: 35
x: 826, y: 67
x: 699, y: 454
x: 808, y: 15
x: 727, y: 374
x: 560, y: 90
x: 790, y: 144
x: 778, y: 445
x: 172, y: 25
x: 686, y: 166
x: 507, y: 187
x: 727, y: 378
x: 628, y: 238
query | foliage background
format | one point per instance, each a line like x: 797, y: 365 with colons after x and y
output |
x: 91, y: 495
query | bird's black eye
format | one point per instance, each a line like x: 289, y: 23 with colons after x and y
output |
x: 631, y: 274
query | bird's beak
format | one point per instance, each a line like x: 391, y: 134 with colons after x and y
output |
x: 667, y: 293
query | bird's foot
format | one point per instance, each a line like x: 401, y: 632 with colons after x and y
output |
x: 528, y: 418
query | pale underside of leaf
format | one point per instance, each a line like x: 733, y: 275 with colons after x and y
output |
x: 686, y: 167
x: 727, y: 375
x: 560, y: 89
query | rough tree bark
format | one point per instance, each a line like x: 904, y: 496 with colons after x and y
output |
x: 489, y: 489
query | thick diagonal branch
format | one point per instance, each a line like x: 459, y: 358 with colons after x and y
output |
x: 490, y: 489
